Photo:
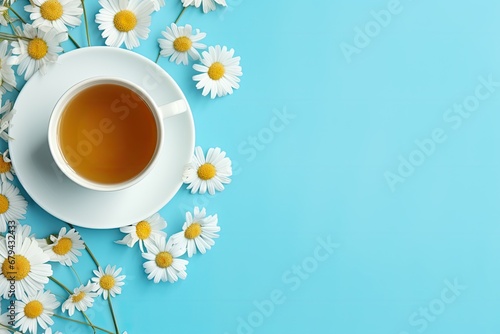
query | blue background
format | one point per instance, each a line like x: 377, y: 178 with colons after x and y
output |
x: 322, y: 175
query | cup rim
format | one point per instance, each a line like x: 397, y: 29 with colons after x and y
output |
x: 53, y: 129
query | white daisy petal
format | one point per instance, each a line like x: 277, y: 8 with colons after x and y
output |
x: 107, y: 281
x: 219, y: 75
x: 49, y: 331
x: 37, y: 50
x: 12, y: 204
x: 208, y: 5
x: 7, y: 77
x: 202, y: 174
x: 35, y: 310
x: 143, y: 231
x: 81, y: 298
x: 30, y: 270
x: 65, y: 247
x: 126, y: 21
x: 158, y: 4
x: 178, y: 43
x: 161, y: 262
x: 198, y: 234
x: 4, y: 15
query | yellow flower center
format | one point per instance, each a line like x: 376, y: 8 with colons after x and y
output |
x: 164, y: 259
x: 33, y: 309
x: 107, y: 282
x: 216, y: 71
x: 182, y: 44
x: 193, y: 231
x: 206, y: 171
x: 78, y: 297
x: 63, y: 246
x: 18, y: 268
x: 143, y: 230
x: 125, y: 20
x: 37, y: 48
x: 4, y: 166
x: 4, y: 204
x: 51, y: 10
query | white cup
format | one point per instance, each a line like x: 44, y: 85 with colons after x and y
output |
x: 160, y: 113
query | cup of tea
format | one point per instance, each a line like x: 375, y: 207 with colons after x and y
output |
x: 105, y: 134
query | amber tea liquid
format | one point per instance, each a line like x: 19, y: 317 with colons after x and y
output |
x: 107, y: 134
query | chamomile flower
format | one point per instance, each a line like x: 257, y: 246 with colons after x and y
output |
x: 220, y: 72
x: 35, y: 310
x: 108, y: 282
x: 7, y: 77
x: 36, y: 50
x: 207, y: 173
x: 12, y: 205
x: 55, y: 14
x: 180, y: 42
x: 4, y: 15
x: 6, y: 114
x: 6, y: 170
x: 198, y: 232
x: 162, y: 261
x: 143, y: 231
x: 208, y: 5
x: 81, y: 299
x: 124, y: 21
x: 158, y: 4
x: 65, y: 247
x: 3, y: 21
x: 27, y: 267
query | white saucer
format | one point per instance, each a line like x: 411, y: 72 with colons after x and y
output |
x: 57, y: 194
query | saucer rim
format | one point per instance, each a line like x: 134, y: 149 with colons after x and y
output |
x: 34, y: 193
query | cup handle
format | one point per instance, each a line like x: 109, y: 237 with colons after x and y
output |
x: 173, y: 108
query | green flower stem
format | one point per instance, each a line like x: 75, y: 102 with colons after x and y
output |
x: 70, y: 293
x: 11, y: 38
x: 76, y: 274
x: 58, y: 295
x: 113, y: 315
x: 8, y: 328
x: 60, y: 284
x: 82, y: 323
x: 91, y: 255
x: 12, y: 27
x: 17, y: 14
x: 109, y: 297
x: 8, y: 37
x: 90, y: 322
x: 74, y: 42
x: 86, y: 23
x: 176, y: 20
x: 180, y: 14
x: 24, y: 21
x: 86, y: 248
